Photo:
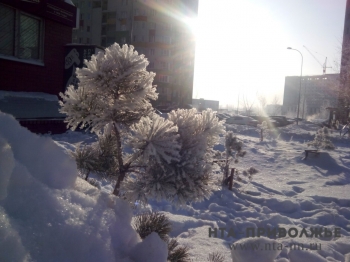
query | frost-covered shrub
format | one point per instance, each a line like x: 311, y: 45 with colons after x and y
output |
x: 233, y: 151
x: 321, y: 140
x: 179, y: 175
x: 263, y: 130
x: 100, y: 158
x: 167, y: 158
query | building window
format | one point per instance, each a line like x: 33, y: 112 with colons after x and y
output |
x: 88, y: 28
x: 163, y: 78
x: 124, y: 14
x: 165, y: 52
x: 153, y: 25
x: 21, y: 35
x: 80, y: 40
x: 104, y: 18
x: 88, y: 16
x: 143, y: 25
x: 88, y: 40
x: 151, y: 65
x: 151, y: 38
x: 134, y: 38
x: 96, y: 4
x: 152, y: 52
x: 104, y: 5
x: 123, y: 40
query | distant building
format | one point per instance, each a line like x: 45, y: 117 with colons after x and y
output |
x: 344, y: 94
x: 317, y: 93
x: 156, y: 29
x: 273, y: 109
x: 202, y: 104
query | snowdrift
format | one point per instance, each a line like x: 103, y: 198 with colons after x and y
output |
x: 47, y: 213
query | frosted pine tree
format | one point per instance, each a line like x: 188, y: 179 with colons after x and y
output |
x: 184, y: 174
x: 322, y: 140
x: 166, y: 159
x: 234, y: 151
x: 263, y: 130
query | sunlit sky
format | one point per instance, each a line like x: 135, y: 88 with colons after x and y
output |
x: 241, y: 46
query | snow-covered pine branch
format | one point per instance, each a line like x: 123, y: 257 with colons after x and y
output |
x: 114, y: 87
x: 154, y: 137
x: 186, y: 177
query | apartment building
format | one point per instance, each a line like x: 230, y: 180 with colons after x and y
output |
x: 317, y: 93
x: 156, y: 28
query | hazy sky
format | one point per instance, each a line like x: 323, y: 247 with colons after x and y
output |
x: 242, y: 45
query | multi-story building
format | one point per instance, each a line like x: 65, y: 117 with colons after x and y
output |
x: 317, y: 93
x: 202, y: 104
x: 344, y: 94
x: 156, y: 28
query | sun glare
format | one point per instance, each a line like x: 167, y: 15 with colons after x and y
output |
x: 192, y: 24
x: 239, y: 50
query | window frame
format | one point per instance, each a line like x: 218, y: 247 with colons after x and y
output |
x: 17, y: 35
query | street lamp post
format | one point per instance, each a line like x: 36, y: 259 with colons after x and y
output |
x: 301, y: 74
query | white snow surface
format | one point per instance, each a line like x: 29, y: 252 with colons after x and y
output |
x: 48, y: 214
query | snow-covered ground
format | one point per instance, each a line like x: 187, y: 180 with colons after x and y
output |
x: 48, y: 214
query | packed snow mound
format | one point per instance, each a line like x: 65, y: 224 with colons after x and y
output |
x: 48, y: 214
x: 39, y: 155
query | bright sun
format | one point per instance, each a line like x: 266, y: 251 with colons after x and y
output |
x: 192, y: 24
x: 239, y: 50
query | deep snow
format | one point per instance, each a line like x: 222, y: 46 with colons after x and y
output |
x: 48, y: 214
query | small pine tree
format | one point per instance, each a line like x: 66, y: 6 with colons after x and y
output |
x: 233, y: 151
x: 263, y: 130
x: 170, y: 158
x: 322, y: 140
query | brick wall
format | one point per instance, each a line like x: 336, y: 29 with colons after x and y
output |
x: 18, y: 76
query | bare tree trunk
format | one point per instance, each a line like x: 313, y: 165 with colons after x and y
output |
x: 122, y: 169
x: 230, y: 179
